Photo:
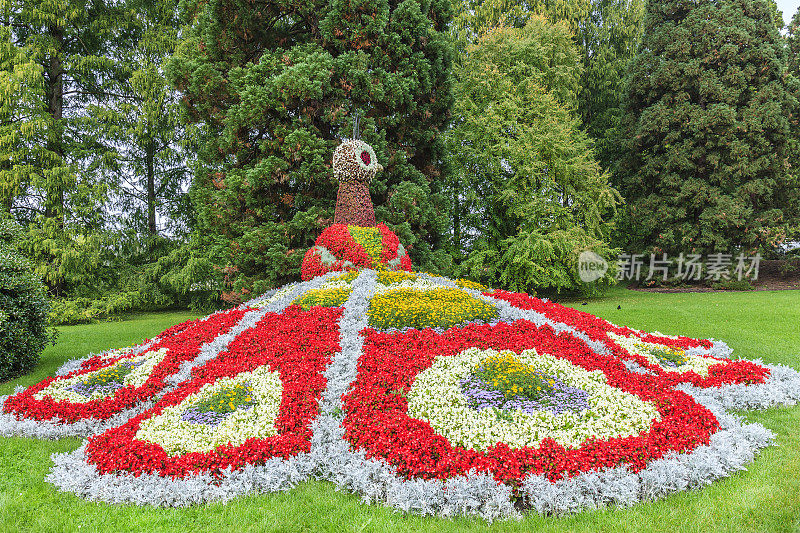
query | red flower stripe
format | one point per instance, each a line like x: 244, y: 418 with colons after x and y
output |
x: 726, y: 372
x: 183, y: 343
x: 376, y: 418
x: 98, y: 361
x: 298, y: 344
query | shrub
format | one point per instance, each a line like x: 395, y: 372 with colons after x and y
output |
x: 23, y: 308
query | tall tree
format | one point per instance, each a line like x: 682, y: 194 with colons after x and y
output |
x: 152, y: 149
x: 608, y: 39
x: 56, y: 54
x: 274, y: 87
x: 607, y: 33
x: 532, y: 196
x: 708, y: 145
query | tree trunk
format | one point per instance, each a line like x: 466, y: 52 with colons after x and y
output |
x: 54, y: 201
x: 152, y: 230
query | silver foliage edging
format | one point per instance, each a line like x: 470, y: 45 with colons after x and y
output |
x: 71, y: 472
x: 731, y: 448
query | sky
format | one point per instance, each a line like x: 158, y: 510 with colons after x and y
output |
x: 789, y: 8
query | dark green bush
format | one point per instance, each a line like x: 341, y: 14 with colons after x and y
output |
x: 23, y: 308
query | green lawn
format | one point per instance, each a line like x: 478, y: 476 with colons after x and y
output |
x: 764, y: 498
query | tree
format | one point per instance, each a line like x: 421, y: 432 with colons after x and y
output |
x: 608, y: 39
x: 152, y: 149
x: 274, y: 87
x: 606, y: 32
x: 707, y: 131
x: 534, y: 196
x: 56, y: 62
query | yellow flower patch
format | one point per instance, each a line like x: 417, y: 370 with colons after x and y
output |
x: 372, y: 241
x: 390, y: 277
x: 323, y: 298
x: 443, y: 308
x: 469, y: 284
x: 347, y: 277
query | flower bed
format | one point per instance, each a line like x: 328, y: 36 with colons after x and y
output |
x: 112, y: 389
x: 341, y: 248
x: 379, y: 411
x: 701, y: 368
x: 281, y: 359
x: 433, y: 395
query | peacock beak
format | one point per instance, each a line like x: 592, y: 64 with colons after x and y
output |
x: 378, y: 168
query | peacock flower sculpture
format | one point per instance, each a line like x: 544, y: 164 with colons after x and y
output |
x: 433, y: 395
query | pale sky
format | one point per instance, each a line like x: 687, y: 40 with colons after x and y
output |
x: 789, y: 8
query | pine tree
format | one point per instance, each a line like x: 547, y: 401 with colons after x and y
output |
x: 532, y: 197
x: 152, y: 149
x: 55, y: 68
x: 275, y: 86
x: 707, y: 130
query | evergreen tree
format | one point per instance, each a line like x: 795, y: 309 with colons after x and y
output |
x: 152, y: 150
x: 530, y: 194
x: 707, y: 130
x: 608, y: 39
x: 55, y: 60
x: 275, y: 87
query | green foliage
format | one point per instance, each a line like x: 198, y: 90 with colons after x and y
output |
x: 528, y: 195
x: 607, y: 40
x: 709, y: 154
x: 149, y: 166
x: 23, y: 308
x: 274, y: 88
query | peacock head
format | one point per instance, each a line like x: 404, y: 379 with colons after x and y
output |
x: 355, y: 160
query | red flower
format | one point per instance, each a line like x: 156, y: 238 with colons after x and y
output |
x: 183, y: 343
x: 297, y: 344
x: 376, y: 418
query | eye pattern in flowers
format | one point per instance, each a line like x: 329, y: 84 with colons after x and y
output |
x: 228, y: 411
x: 581, y: 405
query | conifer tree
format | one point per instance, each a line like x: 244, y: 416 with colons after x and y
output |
x: 275, y: 86
x: 707, y: 163
x: 532, y: 195
x: 54, y: 66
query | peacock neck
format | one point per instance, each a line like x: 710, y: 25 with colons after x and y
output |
x: 354, y: 205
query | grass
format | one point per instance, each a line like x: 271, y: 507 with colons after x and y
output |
x: 766, y: 497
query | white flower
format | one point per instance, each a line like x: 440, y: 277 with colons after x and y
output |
x: 178, y: 436
x: 436, y: 397
x: 636, y: 346
x: 59, y: 389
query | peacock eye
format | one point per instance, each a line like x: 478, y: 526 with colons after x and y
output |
x: 365, y: 157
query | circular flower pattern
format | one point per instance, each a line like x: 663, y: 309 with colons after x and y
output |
x: 437, y: 396
x: 427, y: 430
x: 228, y: 411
